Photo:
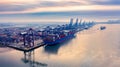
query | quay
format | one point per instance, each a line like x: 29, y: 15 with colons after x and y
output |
x: 20, y: 47
x: 26, y: 49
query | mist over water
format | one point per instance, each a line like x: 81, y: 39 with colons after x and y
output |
x: 90, y: 48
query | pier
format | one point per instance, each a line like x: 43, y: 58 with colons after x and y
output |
x: 26, y: 49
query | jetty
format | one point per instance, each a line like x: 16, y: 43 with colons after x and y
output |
x: 20, y: 47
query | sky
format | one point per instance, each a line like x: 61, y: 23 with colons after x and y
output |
x: 20, y: 11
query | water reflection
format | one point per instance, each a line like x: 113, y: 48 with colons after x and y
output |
x: 55, y: 48
x: 52, y: 49
x: 29, y: 58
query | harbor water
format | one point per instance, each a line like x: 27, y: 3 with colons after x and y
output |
x: 90, y: 48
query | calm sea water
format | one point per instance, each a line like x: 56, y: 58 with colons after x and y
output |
x: 90, y: 48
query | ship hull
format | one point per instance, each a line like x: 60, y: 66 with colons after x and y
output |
x: 59, y: 41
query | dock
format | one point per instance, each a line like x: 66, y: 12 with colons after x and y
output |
x: 20, y: 47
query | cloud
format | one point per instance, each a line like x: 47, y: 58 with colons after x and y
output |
x: 37, y: 10
x: 60, y: 16
x: 24, y: 6
x: 106, y: 2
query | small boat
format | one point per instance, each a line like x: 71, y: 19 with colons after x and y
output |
x: 102, y: 27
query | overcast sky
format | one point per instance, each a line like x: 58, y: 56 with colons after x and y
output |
x: 58, y: 10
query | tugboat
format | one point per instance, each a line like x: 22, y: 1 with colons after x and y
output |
x: 102, y: 27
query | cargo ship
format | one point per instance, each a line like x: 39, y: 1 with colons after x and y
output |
x: 52, y: 39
